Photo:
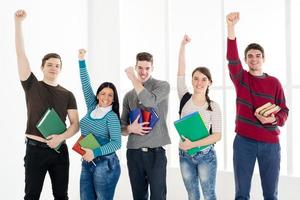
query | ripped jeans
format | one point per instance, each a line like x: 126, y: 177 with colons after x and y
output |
x: 199, y: 167
x: 99, y: 180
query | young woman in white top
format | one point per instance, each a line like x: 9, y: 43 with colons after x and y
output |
x: 201, y: 166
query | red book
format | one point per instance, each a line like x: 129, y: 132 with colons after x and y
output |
x: 76, y: 147
x: 146, y: 117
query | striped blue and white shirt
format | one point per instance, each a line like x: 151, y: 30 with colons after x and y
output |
x: 107, y: 130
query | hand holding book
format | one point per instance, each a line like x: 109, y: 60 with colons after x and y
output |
x: 85, y: 146
x: 138, y: 128
x: 51, y: 124
x: 54, y: 141
x: 146, y: 117
x: 186, y: 144
x: 89, y: 155
x: 267, y: 109
x: 193, y: 128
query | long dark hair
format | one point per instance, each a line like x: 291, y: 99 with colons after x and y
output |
x: 206, y: 72
x: 115, y: 103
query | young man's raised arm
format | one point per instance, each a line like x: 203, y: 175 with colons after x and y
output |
x: 23, y: 63
x: 232, y: 19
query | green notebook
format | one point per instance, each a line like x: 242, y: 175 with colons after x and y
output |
x: 89, y: 142
x: 193, y: 128
x: 51, y: 124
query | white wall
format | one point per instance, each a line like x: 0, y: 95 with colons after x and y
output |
x: 63, y: 27
x: 45, y: 30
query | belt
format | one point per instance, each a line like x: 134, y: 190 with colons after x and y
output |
x: 37, y: 143
x: 103, y: 156
x: 202, y: 152
x: 205, y: 151
x: 146, y: 149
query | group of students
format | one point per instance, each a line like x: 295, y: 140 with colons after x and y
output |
x: 256, y: 135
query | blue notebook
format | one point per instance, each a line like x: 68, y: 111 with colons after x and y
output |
x: 133, y: 114
x: 154, y: 117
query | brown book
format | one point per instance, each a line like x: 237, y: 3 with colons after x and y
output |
x: 259, y: 109
x: 266, y: 109
x: 272, y: 110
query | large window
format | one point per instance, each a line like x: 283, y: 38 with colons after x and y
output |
x: 159, y: 26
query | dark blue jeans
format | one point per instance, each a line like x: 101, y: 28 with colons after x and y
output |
x: 39, y: 160
x: 245, y: 153
x: 99, y: 182
x: 147, y: 168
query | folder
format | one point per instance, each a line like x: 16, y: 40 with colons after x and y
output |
x: 133, y: 114
x: 193, y: 128
x: 154, y: 117
x: 146, y: 117
x: 51, y: 124
x: 89, y: 142
x: 76, y: 147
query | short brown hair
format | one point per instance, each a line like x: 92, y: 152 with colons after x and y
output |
x: 144, y: 56
x: 256, y: 47
x: 51, y: 55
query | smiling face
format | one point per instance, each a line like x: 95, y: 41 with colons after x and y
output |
x: 254, y: 59
x: 51, y: 68
x: 200, y: 82
x: 144, y: 70
x: 105, y: 97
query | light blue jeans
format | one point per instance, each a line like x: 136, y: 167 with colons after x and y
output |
x: 99, y: 182
x: 201, y: 166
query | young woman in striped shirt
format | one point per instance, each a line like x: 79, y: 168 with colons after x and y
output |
x: 100, y: 167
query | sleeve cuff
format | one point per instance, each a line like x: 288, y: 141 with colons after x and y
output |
x: 97, y: 152
x: 82, y: 64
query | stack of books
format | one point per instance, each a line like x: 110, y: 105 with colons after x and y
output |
x: 148, y: 115
x: 267, y: 109
x: 89, y: 142
x: 193, y: 128
x: 50, y: 124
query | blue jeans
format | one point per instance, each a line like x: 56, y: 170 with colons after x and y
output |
x: 147, y: 168
x: 245, y: 153
x: 99, y: 182
x: 201, y: 166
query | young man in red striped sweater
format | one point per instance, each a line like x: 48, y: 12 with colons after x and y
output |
x: 257, y: 137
